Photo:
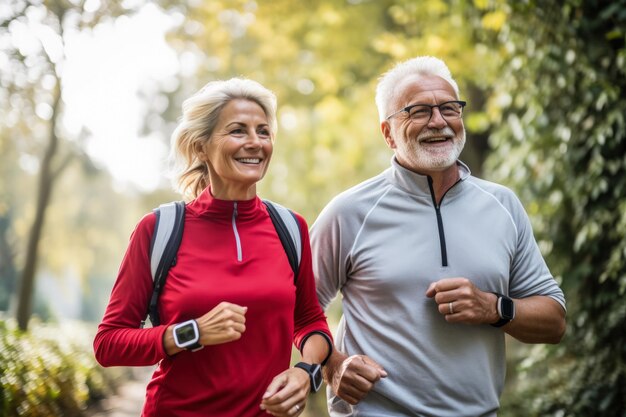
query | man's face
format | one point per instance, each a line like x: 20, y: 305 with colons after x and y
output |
x: 428, y: 147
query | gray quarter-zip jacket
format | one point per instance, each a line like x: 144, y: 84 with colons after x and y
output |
x: 381, y: 244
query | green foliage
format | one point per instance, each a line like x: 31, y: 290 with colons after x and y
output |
x: 50, y: 371
x: 560, y: 141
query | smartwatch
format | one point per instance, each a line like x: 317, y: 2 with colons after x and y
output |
x: 506, y: 310
x: 315, y: 374
x: 187, y: 335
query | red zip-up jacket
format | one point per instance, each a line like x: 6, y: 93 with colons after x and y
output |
x: 230, y: 251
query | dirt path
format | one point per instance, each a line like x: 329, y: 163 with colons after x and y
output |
x: 129, y: 400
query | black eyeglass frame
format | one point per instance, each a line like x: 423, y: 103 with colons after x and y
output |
x: 432, y: 106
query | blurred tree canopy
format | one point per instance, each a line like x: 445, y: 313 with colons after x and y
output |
x: 37, y: 148
x: 323, y: 58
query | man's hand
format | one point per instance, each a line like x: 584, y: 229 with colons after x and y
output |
x: 351, y: 378
x: 538, y: 319
x: 460, y: 301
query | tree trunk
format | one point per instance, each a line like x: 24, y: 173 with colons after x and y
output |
x: 46, y: 181
x: 8, y: 274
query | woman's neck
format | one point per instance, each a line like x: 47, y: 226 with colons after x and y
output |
x: 233, y: 193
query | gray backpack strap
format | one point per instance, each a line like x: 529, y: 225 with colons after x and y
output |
x: 166, y: 238
x: 293, y: 227
x: 288, y: 230
x: 165, y: 219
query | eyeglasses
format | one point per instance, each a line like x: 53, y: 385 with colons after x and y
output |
x: 421, y: 113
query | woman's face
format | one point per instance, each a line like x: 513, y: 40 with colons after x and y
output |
x: 239, y: 150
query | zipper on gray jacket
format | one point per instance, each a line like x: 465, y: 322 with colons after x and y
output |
x: 442, y: 235
x: 237, y: 240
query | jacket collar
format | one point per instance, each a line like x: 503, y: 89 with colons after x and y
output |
x: 417, y: 184
x: 207, y: 205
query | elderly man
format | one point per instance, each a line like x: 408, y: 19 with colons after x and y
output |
x: 434, y: 266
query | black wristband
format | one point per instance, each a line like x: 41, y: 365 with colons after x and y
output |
x: 328, y: 341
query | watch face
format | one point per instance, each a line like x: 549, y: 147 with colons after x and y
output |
x: 186, y: 334
x: 508, y: 308
x: 316, y: 377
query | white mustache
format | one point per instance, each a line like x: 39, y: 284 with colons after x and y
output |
x: 435, y: 133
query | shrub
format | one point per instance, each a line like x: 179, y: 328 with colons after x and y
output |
x: 50, y: 370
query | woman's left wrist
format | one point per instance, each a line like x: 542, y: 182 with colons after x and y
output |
x: 306, y: 357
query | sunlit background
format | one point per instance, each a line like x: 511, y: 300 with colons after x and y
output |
x: 90, y: 92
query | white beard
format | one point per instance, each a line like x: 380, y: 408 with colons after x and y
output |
x: 430, y: 159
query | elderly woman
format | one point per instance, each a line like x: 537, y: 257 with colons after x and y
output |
x: 230, y: 307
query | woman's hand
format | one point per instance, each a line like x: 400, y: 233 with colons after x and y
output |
x: 224, y: 323
x: 287, y: 393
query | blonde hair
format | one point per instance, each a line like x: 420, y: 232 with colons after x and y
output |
x: 201, y: 113
x: 422, y: 66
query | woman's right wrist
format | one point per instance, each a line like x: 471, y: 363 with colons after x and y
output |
x: 168, y: 341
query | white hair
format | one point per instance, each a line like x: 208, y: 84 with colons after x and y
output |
x: 422, y: 66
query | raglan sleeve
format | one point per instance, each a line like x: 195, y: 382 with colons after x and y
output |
x: 119, y: 340
x: 529, y: 272
x: 308, y: 315
x: 329, y: 254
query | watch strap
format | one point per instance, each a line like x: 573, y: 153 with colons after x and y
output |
x: 311, y: 369
x: 303, y: 365
x: 196, y: 346
x: 500, y: 322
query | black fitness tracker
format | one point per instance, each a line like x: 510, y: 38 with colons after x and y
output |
x: 315, y: 374
x: 187, y: 335
x: 506, y: 310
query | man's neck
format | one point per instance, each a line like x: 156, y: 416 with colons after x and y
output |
x: 442, y: 181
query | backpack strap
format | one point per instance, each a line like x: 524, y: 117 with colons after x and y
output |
x: 288, y: 229
x: 168, y: 232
